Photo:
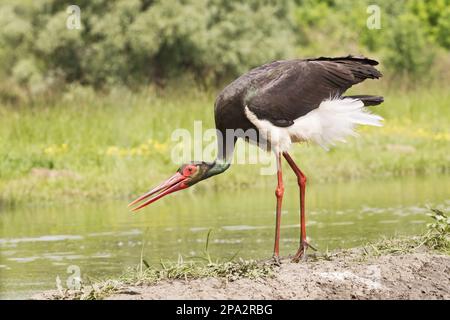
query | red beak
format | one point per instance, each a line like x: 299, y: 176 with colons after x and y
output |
x: 174, y: 183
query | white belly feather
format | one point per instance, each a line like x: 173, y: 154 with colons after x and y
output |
x: 332, y: 121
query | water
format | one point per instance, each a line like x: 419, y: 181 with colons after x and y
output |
x: 39, y: 243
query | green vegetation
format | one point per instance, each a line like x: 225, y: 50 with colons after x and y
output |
x: 135, y: 42
x: 227, y: 271
x: 114, y: 146
x: 437, y: 237
x: 143, y: 273
x: 140, y: 42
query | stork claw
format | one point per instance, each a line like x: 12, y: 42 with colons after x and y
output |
x: 312, y: 248
x: 301, y: 253
x: 276, y: 260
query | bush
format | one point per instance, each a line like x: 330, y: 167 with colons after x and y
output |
x: 435, y: 18
x: 139, y: 42
x: 409, y: 50
x: 133, y: 42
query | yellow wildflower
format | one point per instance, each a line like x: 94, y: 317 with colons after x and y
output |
x: 112, y: 151
x: 55, y: 149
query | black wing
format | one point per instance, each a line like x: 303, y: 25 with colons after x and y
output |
x: 290, y: 89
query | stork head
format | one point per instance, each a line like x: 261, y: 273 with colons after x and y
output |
x: 187, y: 175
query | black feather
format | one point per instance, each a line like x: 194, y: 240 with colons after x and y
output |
x: 368, y: 100
x: 285, y: 90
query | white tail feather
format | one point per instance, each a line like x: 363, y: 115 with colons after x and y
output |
x: 333, y: 121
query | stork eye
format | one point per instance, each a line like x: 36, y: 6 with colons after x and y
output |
x: 189, y: 170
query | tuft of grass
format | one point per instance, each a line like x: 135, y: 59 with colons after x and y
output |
x: 144, y: 274
x: 181, y: 270
x: 437, y: 237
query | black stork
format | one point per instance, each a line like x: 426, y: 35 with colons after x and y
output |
x: 284, y: 102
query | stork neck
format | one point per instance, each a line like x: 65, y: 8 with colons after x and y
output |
x: 225, y: 147
x: 218, y: 166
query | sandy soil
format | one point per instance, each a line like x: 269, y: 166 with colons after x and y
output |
x: 408, y: 276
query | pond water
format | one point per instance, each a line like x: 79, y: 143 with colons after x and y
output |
x: 39, y: 243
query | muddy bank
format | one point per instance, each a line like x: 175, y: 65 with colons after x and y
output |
x: 424, y: 275
x: 409, y: 276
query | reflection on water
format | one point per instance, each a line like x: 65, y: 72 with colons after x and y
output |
x: 39, y: 243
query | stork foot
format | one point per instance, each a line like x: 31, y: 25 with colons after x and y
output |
x: 301, y: 253
x: 276, y: 260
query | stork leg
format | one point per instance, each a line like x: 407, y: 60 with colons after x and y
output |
x: 279, y: 194
x: 301, y: 179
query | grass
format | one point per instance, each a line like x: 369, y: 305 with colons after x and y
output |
x: 436, y: 238
x: 227, y: 271
x: 144, y: 274
x: 88, y: 145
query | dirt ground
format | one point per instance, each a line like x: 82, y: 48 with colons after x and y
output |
x: 407, y: 276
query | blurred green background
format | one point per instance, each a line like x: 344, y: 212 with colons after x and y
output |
x: 89, y: 112
x: 137, y: 43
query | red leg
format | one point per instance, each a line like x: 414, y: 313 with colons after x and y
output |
x: 301, y: 179
x: 279, y: 194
